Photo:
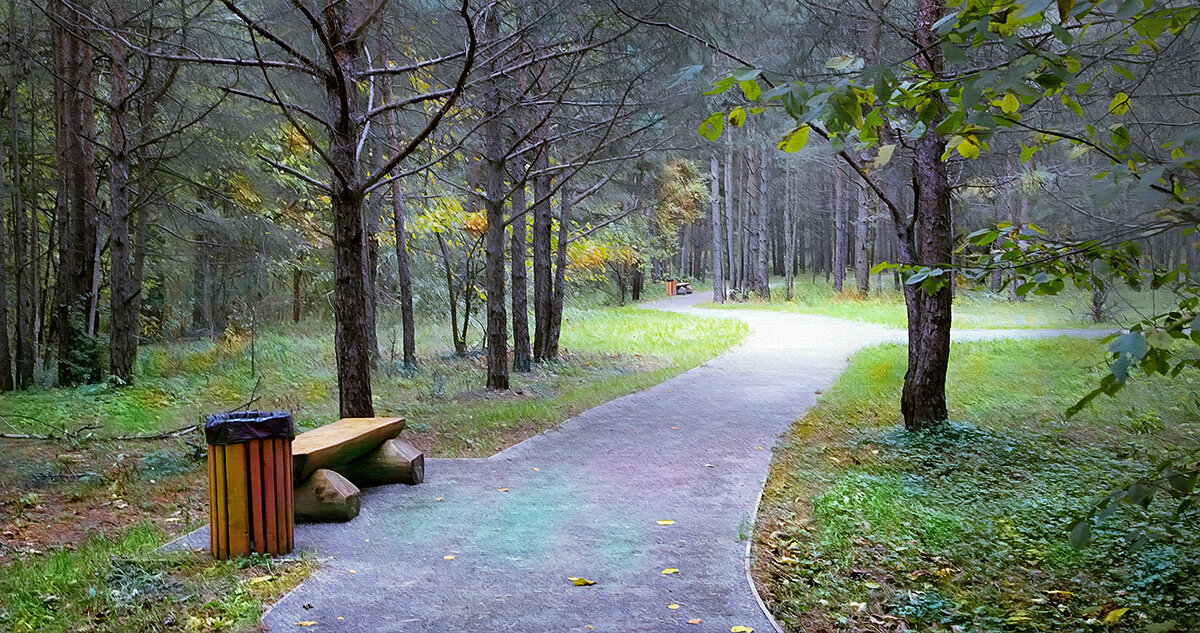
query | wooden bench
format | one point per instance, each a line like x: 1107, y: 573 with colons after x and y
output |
x: 330, y: 462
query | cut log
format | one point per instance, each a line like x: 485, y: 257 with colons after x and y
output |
x: 394, y: 462
x: 326, y: 496
x: 335, y: 444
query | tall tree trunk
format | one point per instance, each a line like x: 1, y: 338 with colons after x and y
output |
x: 522, y: 348
x: 24, y: 240
x: 497, y: 316
x: 862, y: 258
x: 124, y: 307
x: 718, y: 255
x: 839, y: 230
x: 762, y: 269
x: 542, y: 221
x: 923, y: 400
x: 789, y: 234
x: 78, y: 356
x: 560, y: 276
x: 6, y: 374
x: 730, y: 218
x: 403, y: 266
x: 452, y: 291
x: 350, y: 283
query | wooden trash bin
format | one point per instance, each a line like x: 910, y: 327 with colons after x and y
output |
x: 250, y: 495
x: 670, y: 287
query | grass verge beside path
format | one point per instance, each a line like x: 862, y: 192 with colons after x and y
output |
x: 866, y: 527
x: 81, y: 519
x: 973, y: 309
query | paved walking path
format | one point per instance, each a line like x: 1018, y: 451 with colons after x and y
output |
x: 585, y: 500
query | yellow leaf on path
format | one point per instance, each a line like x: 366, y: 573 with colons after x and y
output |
x: 1115, y: 615
x: 439, y: 498
x: 741, y: 629
x: 581, y: 582
x: 502, y: 489
x: 353, y: 572
x: 537, y: 469
x: 255, y: 581
x: 672, y: 606
x: 666, y: 522
x: 696, y: 621
x: 670, y: 570
x: 449, y: 557
x: 306, y: 623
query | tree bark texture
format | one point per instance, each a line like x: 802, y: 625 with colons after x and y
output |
x: 351, y: 338
x: 923, y: 401
x: 497, y: 316
x: 124, y: 307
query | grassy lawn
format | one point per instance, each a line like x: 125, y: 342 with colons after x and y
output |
x: 81, y: 516
x: 972, y: 308
x: 866, y: 527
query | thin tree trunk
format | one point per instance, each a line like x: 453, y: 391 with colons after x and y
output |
x: 497, y: 316
x: 124, y: 316
x: 789, y: 234
x: 730, y: 218
x: 762, y: 269
x: 25, y: 241
x: 403, y: 266
x: 839, y: 229
x: 560, y: 276
x: 862, y: 257
x: 452, y: 286
x: 718, y: 275
x: 542, y: 221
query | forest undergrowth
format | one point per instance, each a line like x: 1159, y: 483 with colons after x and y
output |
x: 867, y: 527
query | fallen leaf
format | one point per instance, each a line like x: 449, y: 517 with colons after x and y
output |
x: 740, y: 629
x: 666, y: 522
x: 438, y: 499
x: 696, y: 621
x: 581, y: 582
x: 306, y: 623
x: 670, y: 570
x: 255, y: 581
x: 448, y: 557
x: 502, y: 489
x: 761, y: 448
x: 1115, y: 615
x: 674, y: 427
x: 341, y: 618
x: 672, y: 606
x: 353, y: 572
x: 537, y: 469
x: 871, y: 585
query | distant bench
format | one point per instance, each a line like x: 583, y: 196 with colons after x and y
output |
x: 330, y: 462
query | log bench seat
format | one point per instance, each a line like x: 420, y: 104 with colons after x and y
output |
x: 331, y: 461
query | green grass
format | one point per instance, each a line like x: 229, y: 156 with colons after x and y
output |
x: 123, y: 584
x: 965, y: 525
x: 972, y: 308
x: 606, y: 353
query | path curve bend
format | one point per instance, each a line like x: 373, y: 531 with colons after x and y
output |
x: 488, y: 545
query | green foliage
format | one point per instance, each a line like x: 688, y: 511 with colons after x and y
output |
x: 124, y: 584
x: 964, y: 526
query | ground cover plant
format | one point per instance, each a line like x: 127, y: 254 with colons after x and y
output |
x: 973, y: 308
x: 868, y: 527
x: 81, y: 512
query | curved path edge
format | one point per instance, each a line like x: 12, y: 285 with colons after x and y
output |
x: 489, y: 544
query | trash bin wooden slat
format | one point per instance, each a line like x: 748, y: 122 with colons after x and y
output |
x: 250, y: 494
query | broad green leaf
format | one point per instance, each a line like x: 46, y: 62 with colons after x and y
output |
x: 1120, y: 136
x: 1008, y: 104
x: 750, y: 89
x: 737, y: 116
x: 1072, y: 105
x: 1027, y: 152
x: 721, y: 86
x: 1115, y: 615
x: 885, y: 155
x: 968, y: 147
x: 712, y: 127
x: 1119, y: 104
x: 795, y: 140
